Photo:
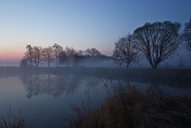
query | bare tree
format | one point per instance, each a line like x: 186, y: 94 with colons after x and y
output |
x: 187, y: 34
x: 37, y: 55
x: 48, y: 55
x: 29, y: 54
x: 70, y: 55
x: 62, y: 58
x: 157, y: 41
x: 66, y: 56
x: 57, y: 50
x: 92, y: 52
x: 125, y: 51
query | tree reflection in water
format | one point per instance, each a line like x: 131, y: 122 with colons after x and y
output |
x: 57, y: 84
x: 50, y: 84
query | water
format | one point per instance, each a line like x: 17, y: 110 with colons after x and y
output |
x: 45, y: 101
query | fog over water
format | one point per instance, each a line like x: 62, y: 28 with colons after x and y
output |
x: 45, y: 96
x: 173, y: 62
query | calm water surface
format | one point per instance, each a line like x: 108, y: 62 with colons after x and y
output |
x: 45, y: 100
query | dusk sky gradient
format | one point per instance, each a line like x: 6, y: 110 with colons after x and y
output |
x: 80, y: 24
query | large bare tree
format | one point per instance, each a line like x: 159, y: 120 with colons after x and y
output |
x: 187, y: 34
x: 125, y: 51
x: 157, y: 41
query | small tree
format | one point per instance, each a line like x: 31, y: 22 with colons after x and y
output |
x: 93, y: 52
x: 62, y: 58
x: 37, y: 55
x: 70, y: 55
x: 187, y: 34
x: 66, y: 56
x: 57, y: 50
x: 157, y: 41
x: 48, y: 55
x: 125, y: 51
x: 29, y: 54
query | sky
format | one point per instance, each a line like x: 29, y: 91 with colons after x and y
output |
x: 80, y: 24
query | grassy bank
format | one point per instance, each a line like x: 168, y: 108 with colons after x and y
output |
x: 134, y: 109
x: 164, y: 76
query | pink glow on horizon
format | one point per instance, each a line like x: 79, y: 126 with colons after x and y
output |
x: 15, y: 55
x: 8, y: 56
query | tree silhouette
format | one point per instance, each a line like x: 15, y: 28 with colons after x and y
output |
x: 57, y: 50
x: 125, y: 51
x: 37, y: 55
x: 70, y: 55
x: 79, y: 58
x: 29, y: 54
x: 50, y: 84
x: 157, y: 41
x: 92, y: 52
x: 48, y: 55
x: 187, y: 34
x: 62, y: 58
x: 66, y: 56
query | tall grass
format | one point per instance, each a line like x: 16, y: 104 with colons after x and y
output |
x: 133, y: 108
x: 20, y: 123
x: 16, y: 123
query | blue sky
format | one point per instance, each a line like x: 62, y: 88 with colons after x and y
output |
x: 80, y: 24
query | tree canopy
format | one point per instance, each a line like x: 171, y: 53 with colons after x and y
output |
x: 157, y: 41
x: 125, y: 51
x: 187, y: 34
x: 93, y: 52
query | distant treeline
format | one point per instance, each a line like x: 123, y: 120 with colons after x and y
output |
x: 56, y: 54
x: 154, y: 41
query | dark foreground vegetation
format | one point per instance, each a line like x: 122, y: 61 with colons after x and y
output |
x: 19, y: 123
x: 135, y: 109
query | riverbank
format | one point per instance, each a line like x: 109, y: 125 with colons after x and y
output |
x: 162, y: 76
x: 133, y: 108
x: 127, y: 106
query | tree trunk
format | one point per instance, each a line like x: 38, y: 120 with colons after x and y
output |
x: 127, y: 66
x: 154, y: 66
x: 49, y: 64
